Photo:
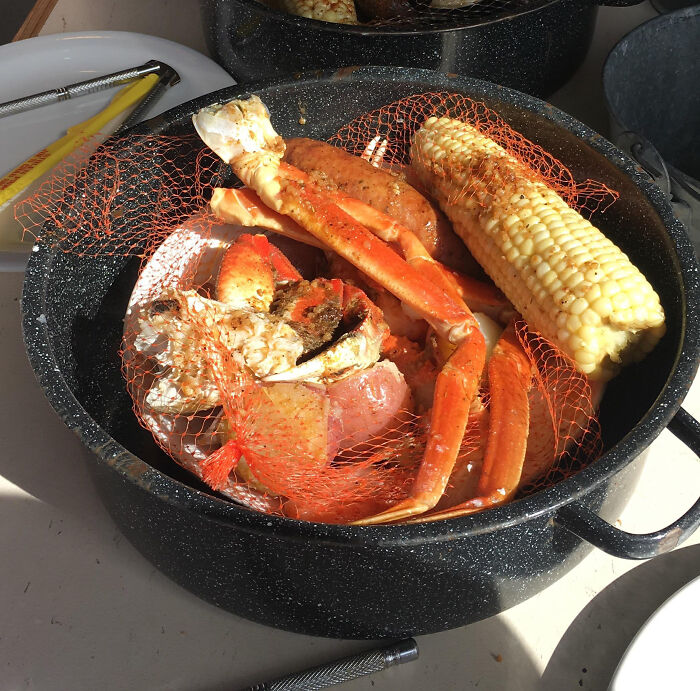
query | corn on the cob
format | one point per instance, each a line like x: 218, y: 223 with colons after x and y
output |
x: 337, y: 11
x: 567, y: 279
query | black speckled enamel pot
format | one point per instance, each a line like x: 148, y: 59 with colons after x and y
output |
x: 379, y: 581
x: 535, y: 47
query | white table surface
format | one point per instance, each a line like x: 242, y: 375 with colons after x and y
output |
x: 81, y: 609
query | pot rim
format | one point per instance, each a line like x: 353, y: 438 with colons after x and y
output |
x: 364, y: 30
x: 544, y: 502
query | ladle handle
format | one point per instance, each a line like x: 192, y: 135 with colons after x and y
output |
x: 648, y: 156
x: 581, y: 521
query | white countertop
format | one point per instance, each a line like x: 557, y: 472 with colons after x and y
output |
x: 81, y: 609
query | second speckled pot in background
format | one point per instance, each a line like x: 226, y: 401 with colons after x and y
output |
x: 536, y: 47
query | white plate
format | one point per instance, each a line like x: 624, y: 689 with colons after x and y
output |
x: 664, y: 653
x: 46, y: 62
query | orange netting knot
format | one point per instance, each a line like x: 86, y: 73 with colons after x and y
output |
x: 217, y: 467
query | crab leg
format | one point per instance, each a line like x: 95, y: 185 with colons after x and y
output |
x: 455, y: 387
x: 352, y: 241
x: 388, y: 230
x: 510, y: 376
x: 374, y: 151
x: 243, y: 207
x: 337, y: 170
x: 479, y: 296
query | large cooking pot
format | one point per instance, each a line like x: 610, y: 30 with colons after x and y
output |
x: 375, y: 581
x: 530, y: 45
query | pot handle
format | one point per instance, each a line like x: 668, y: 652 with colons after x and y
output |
x: 581, y: 521
x: 648, y: 156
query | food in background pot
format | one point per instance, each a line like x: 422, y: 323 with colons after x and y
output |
x: 358, y: 11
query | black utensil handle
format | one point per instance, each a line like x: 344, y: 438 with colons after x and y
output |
x: 167, y: 77
x: 581, y: 521
x: 343, y: 670
x: 648, y: 156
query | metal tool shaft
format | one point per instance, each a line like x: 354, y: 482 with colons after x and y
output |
x: 90, y: 86
x: 168, y: 77
x: 343, y: 670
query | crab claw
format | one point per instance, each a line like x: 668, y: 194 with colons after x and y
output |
x: 241, y: 131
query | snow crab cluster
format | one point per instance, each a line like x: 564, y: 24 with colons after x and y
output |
x: 395, y: 387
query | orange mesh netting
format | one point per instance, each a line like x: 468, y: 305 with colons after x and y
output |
x: 563, y: 425
x: 335, y: 450
x: 395, y: 124
x: 123, y: 198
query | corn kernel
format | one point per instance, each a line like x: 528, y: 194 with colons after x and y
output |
x: 620, y: 301
x: 603, y: 306
x: 609, y: 288
x: 590, y: 318
x: 578, y: 306
x: 573, y: 324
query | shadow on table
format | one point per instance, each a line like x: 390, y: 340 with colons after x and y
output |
x: 99, y: 616
x: 593, y: 645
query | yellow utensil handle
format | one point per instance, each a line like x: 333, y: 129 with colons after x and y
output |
x: 42, y: 161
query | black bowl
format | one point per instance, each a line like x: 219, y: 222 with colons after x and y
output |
x: 376, y: 581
